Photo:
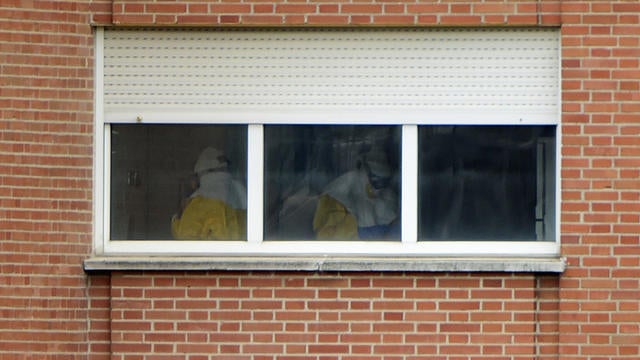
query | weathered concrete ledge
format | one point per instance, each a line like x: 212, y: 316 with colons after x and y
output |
x: 324, y: 264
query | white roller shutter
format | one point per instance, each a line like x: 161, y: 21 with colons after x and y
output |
x: 331, y: 75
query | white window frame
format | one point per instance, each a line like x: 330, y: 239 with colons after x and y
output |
x: 409, y: 246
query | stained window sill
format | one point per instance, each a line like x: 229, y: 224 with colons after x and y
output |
x: 326, y: 264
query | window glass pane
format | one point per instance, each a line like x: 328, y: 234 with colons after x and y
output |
x: 487, y: 183
x: 178, y: 182
x: 332, y: 182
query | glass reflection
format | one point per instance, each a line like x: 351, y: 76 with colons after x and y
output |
x: 185, y: 182
x: 487, y: 183
x: 332, y: 182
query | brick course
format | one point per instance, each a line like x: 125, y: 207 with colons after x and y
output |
x: 49, y: 308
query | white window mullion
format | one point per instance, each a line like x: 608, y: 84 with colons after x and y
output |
x: 101, y: 201
x: 106, y: 179
x: 409, y: 198
x: 255, y: 183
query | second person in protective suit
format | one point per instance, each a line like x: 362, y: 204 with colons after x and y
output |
x: 217, y: 209
x: 360, y: 204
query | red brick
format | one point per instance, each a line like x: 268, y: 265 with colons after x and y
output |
x: 170, y: 8
x: 132, y: 19
x: 296, y: 8
x: 197, y: 19
x: 328, y: 349
x: 230, y: 8
x: 394, y: 20
x: 496, y: 8
x: 362, y: 8
x: 263, y: 8
x: 626, y: 7
x: 427, y: 8
x: 261, y: 20
x: 328, y: 19
x: 360, y: 19
x: 197, y: 8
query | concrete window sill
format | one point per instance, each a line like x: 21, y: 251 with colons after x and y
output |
x: 325, y: 264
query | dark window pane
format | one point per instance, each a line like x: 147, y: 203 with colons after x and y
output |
x: 487, y: 182
x: 154, y: 180
x: 332, y: 182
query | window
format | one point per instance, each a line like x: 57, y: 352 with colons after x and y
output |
x: 156, y: 169
x: 409, y: 142
x: 487, y: 183
x: 321, y: 178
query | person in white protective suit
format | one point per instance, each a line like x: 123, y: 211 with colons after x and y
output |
x: 216, y: 210
x: 359, y: 204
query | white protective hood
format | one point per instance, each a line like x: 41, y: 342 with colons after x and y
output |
x: 350, y: 190
x: 221, y: 185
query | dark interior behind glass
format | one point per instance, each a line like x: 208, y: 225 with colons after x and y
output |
x: 152, y: 171
x: 302, y: 160
x: 486, y: 182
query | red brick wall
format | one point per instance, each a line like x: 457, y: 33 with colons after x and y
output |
x: 46, y: 79
x: 334, y: 316
x: 600, y: 291
x: 337, y: 12
x: 50, y: 309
